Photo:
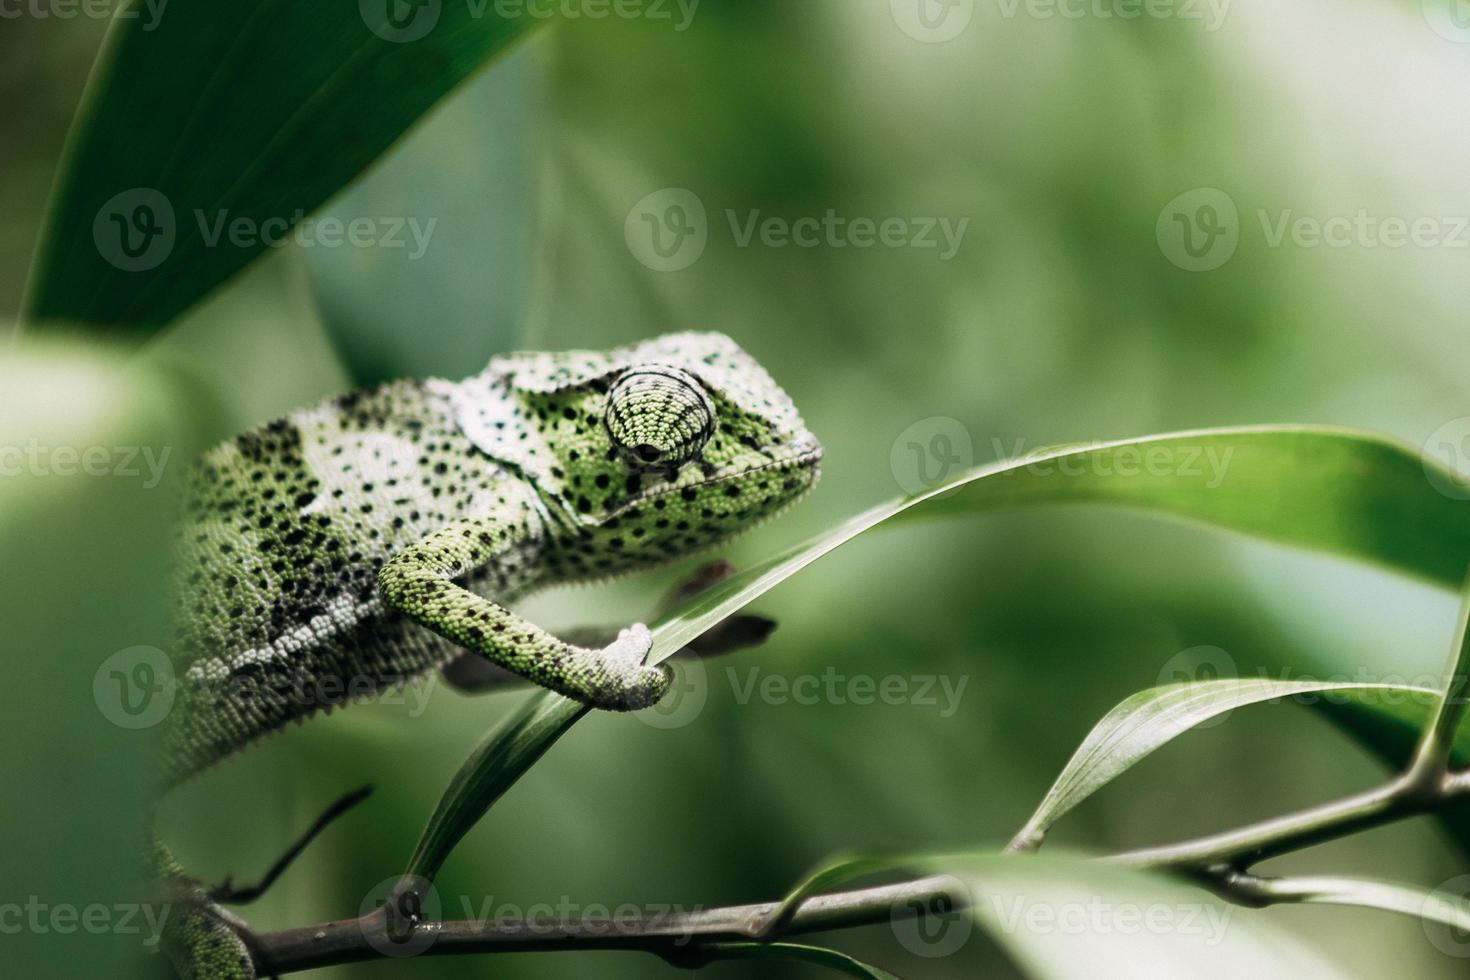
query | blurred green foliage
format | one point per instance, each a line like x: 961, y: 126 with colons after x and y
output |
x: 1060, y: 318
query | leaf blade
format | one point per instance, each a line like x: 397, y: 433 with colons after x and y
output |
x: 1146, y: 721
x: 178, y: 105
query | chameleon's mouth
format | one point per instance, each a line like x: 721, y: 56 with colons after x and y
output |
x: 799, y: 463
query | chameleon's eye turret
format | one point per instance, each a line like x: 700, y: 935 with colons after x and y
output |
x: 659, y: 416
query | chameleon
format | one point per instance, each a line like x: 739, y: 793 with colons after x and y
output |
x: 367, y: 540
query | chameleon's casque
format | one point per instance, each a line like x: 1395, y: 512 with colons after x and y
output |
x: 361, y: 542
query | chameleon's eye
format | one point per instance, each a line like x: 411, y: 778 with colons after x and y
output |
x: 659, y: 416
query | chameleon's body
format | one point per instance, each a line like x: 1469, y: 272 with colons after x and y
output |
x: 364, y: 541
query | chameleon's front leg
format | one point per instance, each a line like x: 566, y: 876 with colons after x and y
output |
x: 420, y: 582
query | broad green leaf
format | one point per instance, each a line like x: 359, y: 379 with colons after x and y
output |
x: 1344, y: 492
x: 830, y: 958
x: 201, y: 116
x: 1150, y: 719
x: 1067, y: 918
x: 92, y: 445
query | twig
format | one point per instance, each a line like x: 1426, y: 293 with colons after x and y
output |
x: 227, y: 893
x: 677, y: 937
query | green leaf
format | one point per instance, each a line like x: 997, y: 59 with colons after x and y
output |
x: 210, y: 114
x: 502, y: 757
x: 1340, y: 491
x: 831, y: 873
x: 1344, y: 492
x: 830, y: 958
x: 1064, y: 917
x: 1152, y: 718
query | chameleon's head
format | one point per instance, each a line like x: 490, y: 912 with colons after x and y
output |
x: 651, y: 449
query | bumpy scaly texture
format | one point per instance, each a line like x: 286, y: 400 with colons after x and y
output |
x: 359, y: 543
x: 197, y: 938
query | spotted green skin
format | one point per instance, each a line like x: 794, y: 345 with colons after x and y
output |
x: 358, y: 544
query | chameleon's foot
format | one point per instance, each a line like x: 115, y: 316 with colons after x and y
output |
x: 629, y: 683
x: 206, y: 942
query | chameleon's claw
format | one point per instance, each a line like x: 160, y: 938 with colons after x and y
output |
x: 631, y: 685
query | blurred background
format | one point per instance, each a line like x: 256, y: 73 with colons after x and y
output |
x: 1093, y: 227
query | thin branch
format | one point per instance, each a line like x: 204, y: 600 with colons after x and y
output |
x: 684, y: 938
x: 1249, y: 889
x: 677, y: 937
x: 1245, y: 846
x: 227, y: 893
